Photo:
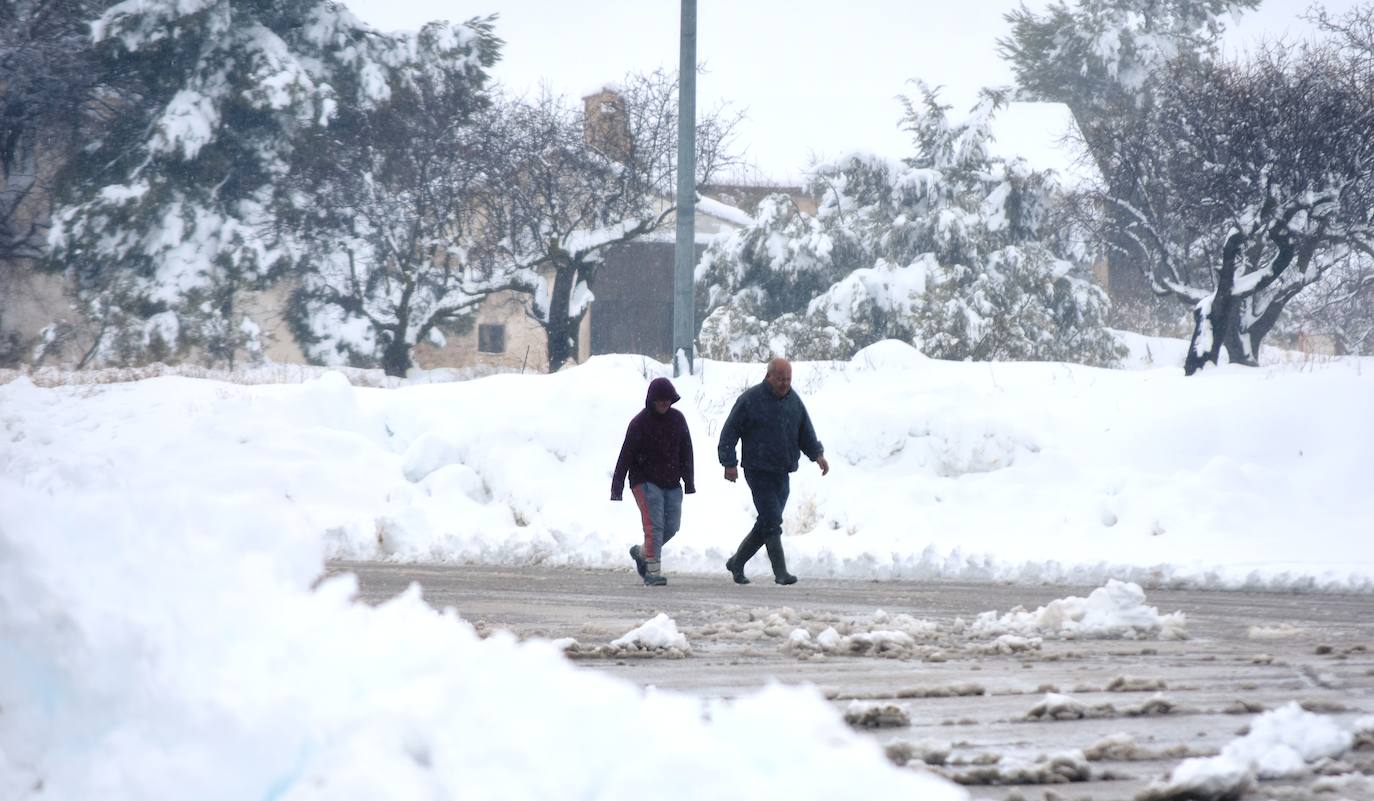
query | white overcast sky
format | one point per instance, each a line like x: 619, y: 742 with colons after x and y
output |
x: 816, y: 78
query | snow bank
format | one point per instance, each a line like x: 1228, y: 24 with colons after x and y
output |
x: 154, y: 646
x: 1001, y: 472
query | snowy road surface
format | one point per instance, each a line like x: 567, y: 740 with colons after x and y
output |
x: 1010, y: 710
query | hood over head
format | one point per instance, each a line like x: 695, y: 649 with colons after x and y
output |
x: 660, y: 389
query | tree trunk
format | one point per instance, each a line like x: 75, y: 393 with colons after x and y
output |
x: 1222, y: 317
x: 233, y: 337
x: 1195, y: 360
x: 396, y: 356
x: 559, y: 328
x: 1235, y: 344
x: 1265, y: 321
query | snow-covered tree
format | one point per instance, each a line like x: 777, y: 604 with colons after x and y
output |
x: 578, y: 180
x: 49, y: 88
x: 782, y: 260
x: 953, y: 250
x: 168, y: 214
x: 1341, y: 306
x: 1250, y: 182
x: 1338, y: 309
x: 394, y: 250
x: 1098, y: 57
x: 754, y: 286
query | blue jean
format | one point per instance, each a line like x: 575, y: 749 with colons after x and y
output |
x: 660, y: 510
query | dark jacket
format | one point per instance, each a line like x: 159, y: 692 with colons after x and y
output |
x: 657, y: 448
x: 773, y: 430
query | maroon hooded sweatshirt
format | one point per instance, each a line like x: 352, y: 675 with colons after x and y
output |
x: 657, y: 448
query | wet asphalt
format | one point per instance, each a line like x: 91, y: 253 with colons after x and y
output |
x: 1245, y: 652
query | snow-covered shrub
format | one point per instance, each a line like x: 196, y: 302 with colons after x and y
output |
x: 959, y: 253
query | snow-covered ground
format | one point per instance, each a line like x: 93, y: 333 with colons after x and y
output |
x: 161, y: 634
x: 1032, y: 472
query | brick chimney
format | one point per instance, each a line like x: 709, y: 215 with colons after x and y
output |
x: 608, y: 126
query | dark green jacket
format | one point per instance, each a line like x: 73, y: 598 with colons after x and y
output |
x: 774, y: 430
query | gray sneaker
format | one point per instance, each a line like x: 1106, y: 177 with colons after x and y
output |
x: 655, y: 580
x: 640, y: 567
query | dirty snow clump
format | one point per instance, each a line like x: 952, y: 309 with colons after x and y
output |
x: 1058, y: 768
x: 657, y: 634
x: 876, y: 716
x: 1136, y: 684
x: 1122, y: 747
x: 1059, y: 707
x: 1062, y: 707
x: 892, y: 636
x: 902, y: 752
x: 1281, y: 744
x: 1280, y: 631
x: 894, y: 644
x: 1008, y: 644
x: 1116, y: 610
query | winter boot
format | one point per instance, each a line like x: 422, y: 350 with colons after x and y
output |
x: 747, y: 548
x: 639, y: 560
x: 779, y: 561
x: 652, y: 576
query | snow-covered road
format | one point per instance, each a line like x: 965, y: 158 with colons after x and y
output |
x: 1011, y: 704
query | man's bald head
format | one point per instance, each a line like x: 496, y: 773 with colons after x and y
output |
x: 779, y: 376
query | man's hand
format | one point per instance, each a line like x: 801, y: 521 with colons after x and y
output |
x: 824, y: 465
x: 731, y: 473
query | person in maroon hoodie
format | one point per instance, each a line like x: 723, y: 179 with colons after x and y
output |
x: 657, y: 456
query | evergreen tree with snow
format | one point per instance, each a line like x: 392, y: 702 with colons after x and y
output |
x: 1097, y: 56
x: 171, y: 212
x: 753, y: 287
x: 49, y: 84
x: 394, y: 249
x: 955, y: 251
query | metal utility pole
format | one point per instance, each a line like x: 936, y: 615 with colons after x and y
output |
x: 684, y: 300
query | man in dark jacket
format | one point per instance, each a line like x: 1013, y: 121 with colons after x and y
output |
x: 772, y: 422
x: 657, y: 455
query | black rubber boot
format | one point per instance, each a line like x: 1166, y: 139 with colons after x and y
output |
x: 747, y: 548
x: 736, y: 574
x: 779, y: 561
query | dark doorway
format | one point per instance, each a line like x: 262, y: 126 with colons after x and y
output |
x: 633, y: 309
